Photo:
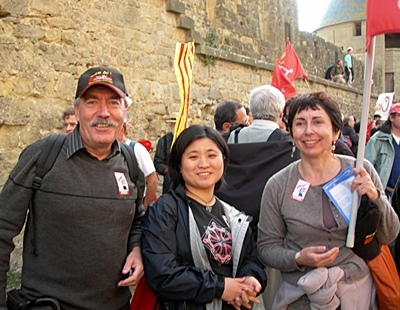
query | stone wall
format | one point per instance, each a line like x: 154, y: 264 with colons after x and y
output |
x: 344, y: 33
x: 46, y: 44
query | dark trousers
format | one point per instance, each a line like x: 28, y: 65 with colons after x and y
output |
x: 348, y: 71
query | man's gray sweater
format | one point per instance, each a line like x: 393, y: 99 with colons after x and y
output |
x: 84, y: 228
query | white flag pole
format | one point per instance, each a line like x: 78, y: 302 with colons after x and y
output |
x: 369, y: 64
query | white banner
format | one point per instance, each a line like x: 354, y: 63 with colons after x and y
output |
x: 383, y: 105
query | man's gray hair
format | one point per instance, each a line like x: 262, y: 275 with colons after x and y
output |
x: 266, y: 102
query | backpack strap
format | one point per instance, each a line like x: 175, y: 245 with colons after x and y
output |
x: 130, y: 157
x: 236, y: 137
x: 45, y: 162
x: 47, y: 157
x: 279, y: 135
x: 132, y: 144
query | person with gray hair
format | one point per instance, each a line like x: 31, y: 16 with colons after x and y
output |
x: 258, y: 152
x: 266, y: 106
x: 81, y: 245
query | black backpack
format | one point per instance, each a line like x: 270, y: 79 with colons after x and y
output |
x: 250, y: 167
x: 328, y: 72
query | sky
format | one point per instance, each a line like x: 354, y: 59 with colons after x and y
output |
x: 310, y: 13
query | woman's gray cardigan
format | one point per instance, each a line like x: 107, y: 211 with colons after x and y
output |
x: 286, y: 226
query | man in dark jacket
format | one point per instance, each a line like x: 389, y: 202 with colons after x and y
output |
x: 162, y: 152
x: 256, y: 153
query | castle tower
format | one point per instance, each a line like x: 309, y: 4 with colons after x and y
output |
x: 344, y: 25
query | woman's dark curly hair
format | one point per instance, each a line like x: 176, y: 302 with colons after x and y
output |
x: 186, y: 137
x: 312, y: 101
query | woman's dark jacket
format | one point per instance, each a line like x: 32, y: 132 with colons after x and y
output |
x: 169, y: 267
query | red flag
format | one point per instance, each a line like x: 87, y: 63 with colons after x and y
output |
x: 287, y: 69
x: 382, y: 17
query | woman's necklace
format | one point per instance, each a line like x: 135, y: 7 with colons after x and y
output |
x: 208, y: 204
x: 322, y: 179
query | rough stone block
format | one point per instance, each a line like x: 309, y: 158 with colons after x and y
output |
x: 175, y: 6
x: 185, y: 22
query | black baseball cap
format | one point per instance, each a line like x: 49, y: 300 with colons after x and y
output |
x: 101, y: 76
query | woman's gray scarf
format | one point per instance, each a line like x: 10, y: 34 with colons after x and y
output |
x: 200, y: 256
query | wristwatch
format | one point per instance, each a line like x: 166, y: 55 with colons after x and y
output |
x: 297, y: 256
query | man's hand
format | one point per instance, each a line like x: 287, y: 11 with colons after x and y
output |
x: 134, y: 264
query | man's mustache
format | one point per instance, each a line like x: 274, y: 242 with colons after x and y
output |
x: 104, y: 122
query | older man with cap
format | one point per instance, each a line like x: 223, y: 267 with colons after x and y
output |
x: 383, y: 150
x: 83, y: 247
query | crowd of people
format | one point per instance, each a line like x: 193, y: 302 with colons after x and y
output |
x: 244, y: 212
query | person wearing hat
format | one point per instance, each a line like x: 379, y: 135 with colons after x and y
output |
x: 383, y: 150
x: 348, y: 66
x: 372, y: 124
x: 85, y: 248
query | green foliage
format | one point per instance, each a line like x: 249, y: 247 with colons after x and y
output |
x: 210, y: 40
x: 208, y: 60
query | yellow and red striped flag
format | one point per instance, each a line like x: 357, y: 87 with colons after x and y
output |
x: 183, y: 64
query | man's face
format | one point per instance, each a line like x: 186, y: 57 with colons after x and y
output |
x: 70, y: 123
x: 128, y: 127
x: 171, y: 126
x: 100, y: 114
x: 351, y: 121
x: 395, y: 120
x: 241, y: 116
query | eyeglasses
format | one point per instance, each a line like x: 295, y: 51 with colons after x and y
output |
x: 246, y: 123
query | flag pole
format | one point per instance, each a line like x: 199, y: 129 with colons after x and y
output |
x: 369, y: 63
x: 308, y: 85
